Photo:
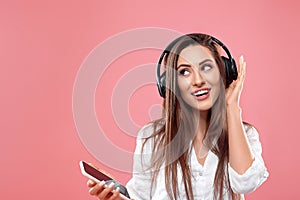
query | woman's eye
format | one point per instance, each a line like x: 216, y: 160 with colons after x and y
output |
x: 184, y: 72
x: 206, y: 67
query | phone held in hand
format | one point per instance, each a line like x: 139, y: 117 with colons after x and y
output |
x: 98, y: 176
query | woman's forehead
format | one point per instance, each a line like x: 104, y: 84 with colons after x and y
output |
x: 195, y: 53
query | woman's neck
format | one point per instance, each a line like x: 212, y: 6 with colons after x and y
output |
x: 202, y: 119
x: 203, y: 123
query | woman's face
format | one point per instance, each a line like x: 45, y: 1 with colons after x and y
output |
x: 198, y: 77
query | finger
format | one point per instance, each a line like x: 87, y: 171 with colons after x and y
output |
x: 243, y: 71
x: 244, y: 68
x: 241, y: 61
x: 239, y: 83
x: 107, y: 192
x: 97, y: 188
x: 91, y: 183
x: 230, y: 89
x: 116, y: 194
x: 240, y: 79
x: 238, y: 86
x: 241, y: 68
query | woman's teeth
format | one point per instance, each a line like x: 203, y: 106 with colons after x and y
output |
x: 200, y: 92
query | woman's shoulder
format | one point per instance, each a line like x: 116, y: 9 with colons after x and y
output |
x: 147, y: 134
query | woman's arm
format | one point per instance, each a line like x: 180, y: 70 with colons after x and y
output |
x: 246, y: 170
x: 256, y: 174
x: 240, y: 155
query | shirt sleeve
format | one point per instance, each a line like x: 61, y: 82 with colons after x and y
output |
x: 256, y: 173
x: 139, y: 185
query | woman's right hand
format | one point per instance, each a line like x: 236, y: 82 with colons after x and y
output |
x: 102, y: 191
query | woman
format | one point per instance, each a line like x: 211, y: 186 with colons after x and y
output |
x: 200, y: 149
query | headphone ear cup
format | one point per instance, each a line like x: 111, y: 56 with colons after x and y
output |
x: 162, y: 85
x: 230, y: 70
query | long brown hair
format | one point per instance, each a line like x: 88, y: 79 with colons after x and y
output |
x: 174, y: 132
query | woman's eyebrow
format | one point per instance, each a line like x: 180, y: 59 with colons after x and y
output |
x: 183, y: 65
x: 188, y: 65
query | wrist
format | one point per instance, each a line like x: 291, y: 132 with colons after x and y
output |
x: 234, y: 113
x: 233, y: 108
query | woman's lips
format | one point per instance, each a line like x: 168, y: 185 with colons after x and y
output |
x: 201, y: 94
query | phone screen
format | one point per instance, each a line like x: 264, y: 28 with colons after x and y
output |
x: 95, y: 173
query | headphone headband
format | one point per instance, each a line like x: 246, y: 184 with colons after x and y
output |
x: 229, y: 64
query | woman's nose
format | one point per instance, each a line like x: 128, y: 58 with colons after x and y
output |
x: 198, y: 79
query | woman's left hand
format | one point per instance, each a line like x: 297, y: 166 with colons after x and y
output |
x: 233, y: 92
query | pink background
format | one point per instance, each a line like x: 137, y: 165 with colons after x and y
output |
x: 43, y: 43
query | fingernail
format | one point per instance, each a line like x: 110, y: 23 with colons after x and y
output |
x: 118, y: 189
x: 90, y: 182
x: 101, y: 183
x: 111, y: 185
x: 242, y: 57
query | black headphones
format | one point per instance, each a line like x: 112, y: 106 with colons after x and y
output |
x: 229, y: 64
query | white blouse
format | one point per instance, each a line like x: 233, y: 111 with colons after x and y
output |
x: 202, y: 176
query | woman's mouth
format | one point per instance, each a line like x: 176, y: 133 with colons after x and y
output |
x: 201, y: 94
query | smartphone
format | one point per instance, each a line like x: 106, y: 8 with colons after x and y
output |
x: 93, y: 173
x: 98, y: 176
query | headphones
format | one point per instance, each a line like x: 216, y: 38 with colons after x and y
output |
x: 229, y: 64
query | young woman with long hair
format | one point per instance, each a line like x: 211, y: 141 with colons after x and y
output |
x: 200, y: 148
